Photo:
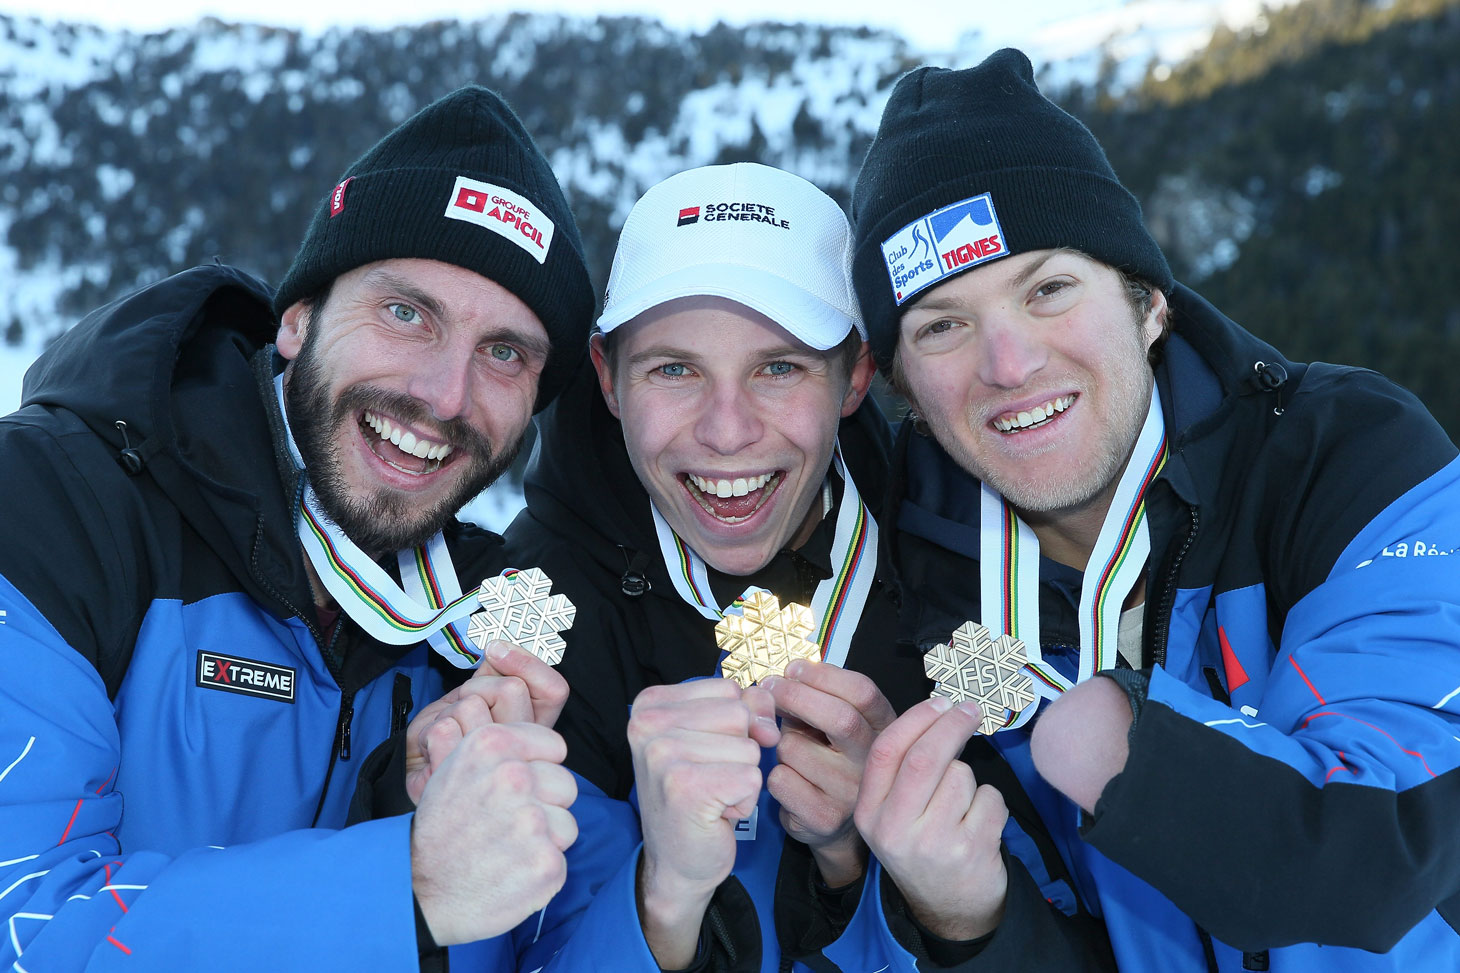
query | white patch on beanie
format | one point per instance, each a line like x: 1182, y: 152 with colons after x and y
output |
x: 504, y: 212
x: 948, y: 240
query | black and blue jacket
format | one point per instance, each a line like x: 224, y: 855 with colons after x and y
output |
x: 178, y: 738
x: 1290, y: 800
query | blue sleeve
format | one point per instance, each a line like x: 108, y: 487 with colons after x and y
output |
x: 72, y: 899
x: 1319, y: 805
x: 1033, y: 934
x: 596, y: 914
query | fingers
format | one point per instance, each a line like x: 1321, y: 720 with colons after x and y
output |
x: 762, y: 705
x: 839, y: 702
x: 704, y: 705
x: 547, y: 690
x: 510, y: 741
x: 908, y: 758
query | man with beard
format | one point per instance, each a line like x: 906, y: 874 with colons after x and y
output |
x: 1215, y: 561
x: 232, y: 568
x: 724, y: 444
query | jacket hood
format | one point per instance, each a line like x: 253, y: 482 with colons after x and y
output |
x: 120, y: 361
x: 580, y: 482
x: 176, y: 363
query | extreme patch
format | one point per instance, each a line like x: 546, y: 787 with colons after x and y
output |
x: 247, y: 676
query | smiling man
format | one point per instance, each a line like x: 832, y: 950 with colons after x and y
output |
x: 1205, y: 552
x: 722, y: 442
x: 236, y: 572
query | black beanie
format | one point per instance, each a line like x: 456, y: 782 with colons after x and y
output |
x: 947, y: 137
x: 462, y: 182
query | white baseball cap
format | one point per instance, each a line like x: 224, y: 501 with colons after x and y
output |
x: 746, y: 232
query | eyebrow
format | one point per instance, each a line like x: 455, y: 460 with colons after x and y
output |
x: 1018, y: 280
x: 403, y: 287
x: 529, y: 343
x: 656, y: 352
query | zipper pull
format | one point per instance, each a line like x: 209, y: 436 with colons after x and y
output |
x: 400, y: 703
x: 347, y: 716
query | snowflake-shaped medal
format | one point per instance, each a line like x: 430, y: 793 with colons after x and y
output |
x: 762, y: 637
x: 975, y: 665
x: 517, y: 608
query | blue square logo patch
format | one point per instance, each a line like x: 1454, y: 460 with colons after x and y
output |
x: 945, y: 241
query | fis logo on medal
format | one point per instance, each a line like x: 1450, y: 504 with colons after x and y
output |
x: 945, y: 241
x: 688, y: 215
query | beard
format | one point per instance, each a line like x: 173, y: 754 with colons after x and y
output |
x: 383, y: 520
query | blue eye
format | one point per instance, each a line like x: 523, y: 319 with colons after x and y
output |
x: 504, y: 352
x: 405, y: 313
x: 780, y: 368
x: 673, y: 370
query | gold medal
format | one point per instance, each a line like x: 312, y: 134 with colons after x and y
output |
x: 975, y: 665
x: 762, y: 637
x: 517, y: 608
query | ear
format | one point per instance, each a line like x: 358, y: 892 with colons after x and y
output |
x: 1152, y: 327
x: 291, y: 330
x: 605, y: 373
x: 861, y: 379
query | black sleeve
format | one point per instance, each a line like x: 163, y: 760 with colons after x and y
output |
x: 1033, y: 935
x: 809, y: 915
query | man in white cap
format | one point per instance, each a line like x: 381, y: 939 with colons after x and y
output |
x: 724, y: 442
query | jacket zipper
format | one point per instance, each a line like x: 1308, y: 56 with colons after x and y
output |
x: 1253, y: 960
x: 340, y: 743
x: 1168, y: 593
x: 342, y: 732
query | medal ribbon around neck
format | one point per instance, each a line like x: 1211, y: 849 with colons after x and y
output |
x: 838, y: 601
x: 1009, y: 567
x: 428, y: 604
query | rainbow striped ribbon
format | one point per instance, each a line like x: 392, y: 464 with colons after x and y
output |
x: 1009, y: 567
x: 426, y: 605
x: 838, y: 601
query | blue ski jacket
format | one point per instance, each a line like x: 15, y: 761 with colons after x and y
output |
x: 1289, y: 802
x: 178, y: 738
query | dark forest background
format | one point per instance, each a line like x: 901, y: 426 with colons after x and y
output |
x: 1303, y: 173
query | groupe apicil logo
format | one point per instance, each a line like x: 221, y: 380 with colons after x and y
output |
x: 508, y: 214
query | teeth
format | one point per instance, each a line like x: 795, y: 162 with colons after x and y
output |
x: 408, y: 443
x: 739, y: 487
x: 1024, y: 420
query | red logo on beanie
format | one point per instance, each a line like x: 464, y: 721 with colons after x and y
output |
x: 337, y: 198
x: 690, y: 214
x: 472, y: 199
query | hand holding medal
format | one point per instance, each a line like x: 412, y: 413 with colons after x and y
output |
x: 974, y: 665
x: 517, y: 608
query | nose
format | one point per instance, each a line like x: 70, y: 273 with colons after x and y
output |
x: 1012, y: 353
x: 728, y: 422
x: 443, y: 381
